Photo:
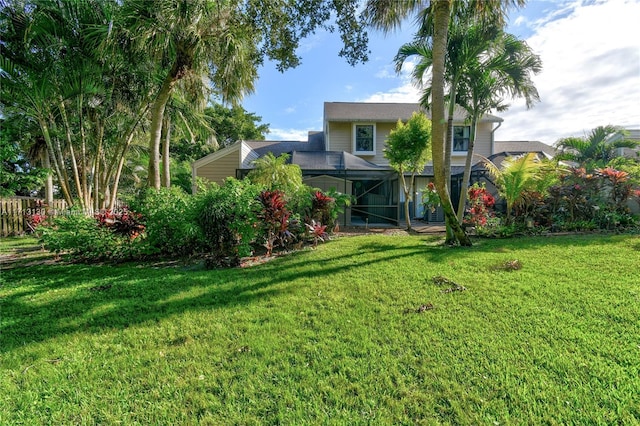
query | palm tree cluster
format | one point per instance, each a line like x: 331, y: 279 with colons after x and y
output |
x: 94, y: 79
x: 463, y: 46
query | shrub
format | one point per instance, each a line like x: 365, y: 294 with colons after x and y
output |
x: 227, y: 216
x: 481, y: 206
x: 169, y: 221
x: 82, y: 237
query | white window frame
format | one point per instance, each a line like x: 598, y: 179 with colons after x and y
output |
x: 453, y: 144
x: 354, y: 138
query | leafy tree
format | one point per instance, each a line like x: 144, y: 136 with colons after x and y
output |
x: 434, y: 20
x: 275, y: 173
x: 595, y: 149
x: 235, y: 123
x: 225, y: 125
x: 407, y: 149
x: 226, y: 41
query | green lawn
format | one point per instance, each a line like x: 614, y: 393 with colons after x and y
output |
x: 331, y: 336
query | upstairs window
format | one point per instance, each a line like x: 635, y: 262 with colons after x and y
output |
x: 364, y: 139
x: 461, y: 138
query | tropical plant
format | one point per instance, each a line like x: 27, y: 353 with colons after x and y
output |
x: 434, y: 21
x: 596, y: 149
x: 227, y: 216
x: 275, y: 173
x: 84, y: 101
x: 481, y: 209
x: 515, y: 175
x: 407, y: 149
x: 274, y: 219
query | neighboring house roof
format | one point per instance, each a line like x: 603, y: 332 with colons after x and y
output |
x: 633, y: 135
x: 524, y: 146
x: 384, y: 112
x: 499, y: 157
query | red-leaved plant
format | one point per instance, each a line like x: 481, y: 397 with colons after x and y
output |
x: 124, y: 222
x: 318, y: 232
x: 275, y: 219
x: 481, y: 205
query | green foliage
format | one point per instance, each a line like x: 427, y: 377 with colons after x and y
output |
x: 514, y: 177
x: 168, y: 215
x: 227, y: 216
x: 18, y: 175
x: 82, y: 238
x: 228, y: 125
x: 407, y: 146
x: 596, y: 149
x: 275, y: 173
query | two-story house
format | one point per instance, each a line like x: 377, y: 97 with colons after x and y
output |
x: 348, y: 156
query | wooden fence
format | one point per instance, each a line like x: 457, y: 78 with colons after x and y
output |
x: 18, y: 213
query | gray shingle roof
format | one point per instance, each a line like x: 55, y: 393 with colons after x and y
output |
x: 523, y: 146
x: 332, y: 160
x: 381, y: 112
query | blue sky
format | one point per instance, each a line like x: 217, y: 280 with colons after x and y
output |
x: 590, y: 51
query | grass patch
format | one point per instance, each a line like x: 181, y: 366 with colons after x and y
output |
x: 335, y: 335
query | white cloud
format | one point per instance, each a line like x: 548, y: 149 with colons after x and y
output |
x: 290, y: 110
x: 590, y: 77
x: 288, y: 134
x: 405, y: 93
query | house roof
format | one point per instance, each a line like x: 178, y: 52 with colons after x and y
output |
x: 332, y: 160
x: 315, y: 143
x: 520, y: 147
x: 384, y: 112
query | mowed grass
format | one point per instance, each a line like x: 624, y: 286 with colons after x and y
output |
x: 332, y: 336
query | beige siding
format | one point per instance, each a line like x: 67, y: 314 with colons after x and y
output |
x: 340, y: 137
x: 217, y: 171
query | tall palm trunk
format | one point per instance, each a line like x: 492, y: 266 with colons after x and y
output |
x: 157, y: 116
x: 48, y: 183
x: 166, y: 164
x: 467, y: 169
x: 442, y: 9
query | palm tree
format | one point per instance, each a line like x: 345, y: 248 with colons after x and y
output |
x: 514, y: 177
x: 225, y: 42
x: 386, y: 15
x: 595, y: 149
x: 504, y: 69
x: 276, y: 174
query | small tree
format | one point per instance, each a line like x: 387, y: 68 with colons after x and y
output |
x: 408, y: 151
x: 275, y: 173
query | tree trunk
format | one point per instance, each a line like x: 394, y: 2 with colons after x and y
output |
x: 442, y: 10
x: 467, y: 170
x: 80, y: 189
x: 166, y: 164
x: 407, y: 195
x: 64, y: 184
x: 157, y: 116
x: 48, y: 183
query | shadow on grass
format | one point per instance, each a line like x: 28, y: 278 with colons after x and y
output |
x: 62, y: 299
